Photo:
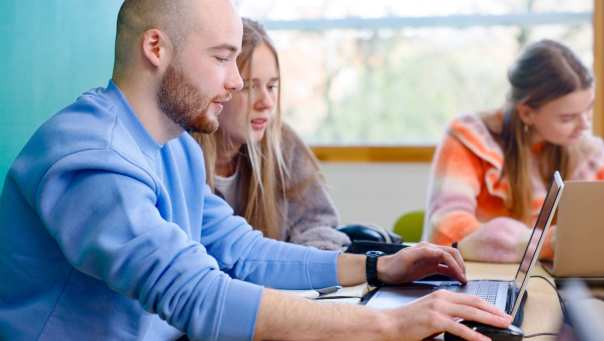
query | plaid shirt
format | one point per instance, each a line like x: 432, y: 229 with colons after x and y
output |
x: 467, y: 188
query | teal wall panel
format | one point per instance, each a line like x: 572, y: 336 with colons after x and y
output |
x: 51, y: 51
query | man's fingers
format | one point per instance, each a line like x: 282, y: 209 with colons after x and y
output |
x: 469, y: 308
x: 457, y: 255
x: 445, y: 270
x: 448, y: 260
x: 478, y: 315
x: 480, y: 306
x: 445, y: 255
x: 463, y: 331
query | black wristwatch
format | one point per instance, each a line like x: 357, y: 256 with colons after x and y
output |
x: 371, y: 268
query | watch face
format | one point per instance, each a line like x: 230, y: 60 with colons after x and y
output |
x: 374, y: 253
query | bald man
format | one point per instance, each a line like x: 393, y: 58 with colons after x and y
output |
x: 108, y: 231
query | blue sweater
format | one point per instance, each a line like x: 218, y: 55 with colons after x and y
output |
x: 107, y: 235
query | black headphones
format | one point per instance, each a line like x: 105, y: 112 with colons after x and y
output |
x: 374, y: 233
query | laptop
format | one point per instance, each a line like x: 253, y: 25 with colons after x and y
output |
x: 506, y: 295
x: 579, y: 244
x: 584, y: 316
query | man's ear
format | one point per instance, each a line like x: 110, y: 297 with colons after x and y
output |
x: 156, y: 47
x: 525, y: 113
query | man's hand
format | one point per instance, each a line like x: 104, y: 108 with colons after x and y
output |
x: 283, y: 317
x: 439, y: 312
x: 420, y: 261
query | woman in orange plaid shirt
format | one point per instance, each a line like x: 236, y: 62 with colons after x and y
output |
x: 490, y: 172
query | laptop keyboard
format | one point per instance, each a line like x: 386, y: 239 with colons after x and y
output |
x: 484, y: 289
x: 487, y: 290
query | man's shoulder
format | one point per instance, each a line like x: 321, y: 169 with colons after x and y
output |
x: 85, y: 123
x: 81, y: 126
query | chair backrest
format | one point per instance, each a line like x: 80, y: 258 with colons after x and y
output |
x: 410, y: 226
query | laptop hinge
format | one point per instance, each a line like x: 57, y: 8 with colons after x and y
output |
x: 509, y: 305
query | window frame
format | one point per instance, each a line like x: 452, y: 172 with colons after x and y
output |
x: 424, y: 153
x: 598, y: 119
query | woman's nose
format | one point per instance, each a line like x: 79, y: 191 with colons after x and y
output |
x: 264, y: 100
x: 585, y: 120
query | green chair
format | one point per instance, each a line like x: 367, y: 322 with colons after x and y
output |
x: 410, y: 225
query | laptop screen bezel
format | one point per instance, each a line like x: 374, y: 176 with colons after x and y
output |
x: 557, y: 185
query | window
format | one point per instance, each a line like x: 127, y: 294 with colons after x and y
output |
x: 392, y: 73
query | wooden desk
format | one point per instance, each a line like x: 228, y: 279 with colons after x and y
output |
x: 598, y: 292
x: 542, y: 312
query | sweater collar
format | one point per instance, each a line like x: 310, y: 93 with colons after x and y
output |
x: 472, y: 132
x: 127, y: 116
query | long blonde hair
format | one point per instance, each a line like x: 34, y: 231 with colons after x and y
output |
x: 262, y: 169
x: 545, y: 71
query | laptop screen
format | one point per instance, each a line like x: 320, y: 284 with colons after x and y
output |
x: 536, y: 240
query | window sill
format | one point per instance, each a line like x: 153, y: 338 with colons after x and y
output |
x: 389, y: 154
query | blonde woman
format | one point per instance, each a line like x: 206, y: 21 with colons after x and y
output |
x: 490, y: 172
x: 259, y: 165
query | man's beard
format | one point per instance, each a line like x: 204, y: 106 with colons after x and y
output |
x: 184, y: 104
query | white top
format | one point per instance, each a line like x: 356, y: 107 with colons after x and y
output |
x: 227, y: 186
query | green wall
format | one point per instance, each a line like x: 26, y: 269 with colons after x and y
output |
x: 50, y: 52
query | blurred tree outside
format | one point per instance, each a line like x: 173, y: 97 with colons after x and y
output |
x: 400, y: 86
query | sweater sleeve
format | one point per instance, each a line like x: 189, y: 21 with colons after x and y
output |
x: 455, y: 183
x: 100, y: 209
x: 245, y: 254
x: 311, y: 214
x: 104, y: 219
